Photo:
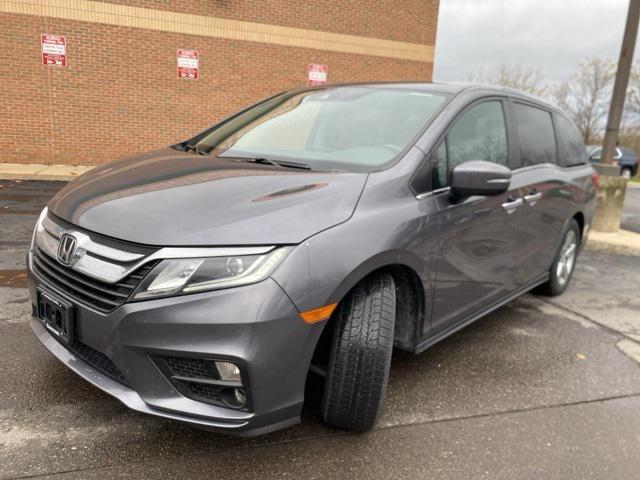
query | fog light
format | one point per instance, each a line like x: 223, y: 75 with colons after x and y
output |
x: 234, y: 397
x: 228, y: 371
x: 240, y: 396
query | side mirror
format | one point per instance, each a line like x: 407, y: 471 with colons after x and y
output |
x: 479, y: 177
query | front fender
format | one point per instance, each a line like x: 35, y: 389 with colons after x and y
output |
x: 326, y: 266
x: 381, y: 260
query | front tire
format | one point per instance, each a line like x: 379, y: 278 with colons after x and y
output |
x: 360, y: 355
x: 564, y: 262
x: 626, y: 173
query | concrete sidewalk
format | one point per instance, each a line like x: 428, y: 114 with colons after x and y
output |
x: 23, y: 171
x: 622, y: 242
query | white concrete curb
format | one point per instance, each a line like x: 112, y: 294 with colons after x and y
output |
x: 19, y: 171
x: 622, y: 242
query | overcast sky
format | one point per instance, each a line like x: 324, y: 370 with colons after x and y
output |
x: 554, y: 35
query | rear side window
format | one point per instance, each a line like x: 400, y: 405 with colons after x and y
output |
x: 571, y: 150
x: 535, y: 132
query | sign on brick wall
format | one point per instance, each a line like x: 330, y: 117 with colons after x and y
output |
x: 317, y: 74
x: 188, y: 64
x: 54, y: 50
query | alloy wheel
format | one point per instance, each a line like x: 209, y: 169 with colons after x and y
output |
x: 567, y: 258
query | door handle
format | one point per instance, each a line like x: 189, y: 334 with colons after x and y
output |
x: 511, y: 205
x: 532, y: 198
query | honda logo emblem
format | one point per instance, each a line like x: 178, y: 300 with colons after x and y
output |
x: 67, y: 249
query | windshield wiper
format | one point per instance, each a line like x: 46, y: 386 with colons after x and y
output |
x: 194, y: 148
x: 268, y: 161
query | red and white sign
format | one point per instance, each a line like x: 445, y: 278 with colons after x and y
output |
x: 188, y: 64
x: 54, y: 50
x: 317, y: 74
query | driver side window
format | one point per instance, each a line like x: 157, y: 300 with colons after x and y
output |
x: 479, y: 134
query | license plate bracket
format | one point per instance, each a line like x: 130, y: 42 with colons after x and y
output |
x: 56, y: 314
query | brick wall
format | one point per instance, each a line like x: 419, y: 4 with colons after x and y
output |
x: 120, y: 93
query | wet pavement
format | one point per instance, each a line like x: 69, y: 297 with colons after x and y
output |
x: 541, y: 388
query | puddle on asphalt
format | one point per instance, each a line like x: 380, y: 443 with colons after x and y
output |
x: 13, y: 278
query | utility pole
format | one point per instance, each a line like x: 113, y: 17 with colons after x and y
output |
x: 621, y: 82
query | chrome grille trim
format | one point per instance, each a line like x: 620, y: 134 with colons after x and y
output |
x: 112, y: 265
x: 84, y: 241
x: 52, y: 229
x: 98, y: 295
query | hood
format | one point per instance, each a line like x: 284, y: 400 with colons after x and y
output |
x: 172, y: 198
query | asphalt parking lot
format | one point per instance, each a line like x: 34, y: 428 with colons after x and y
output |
x: 539, y: 389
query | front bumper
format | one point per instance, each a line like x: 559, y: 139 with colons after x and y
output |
x: 257, y: 326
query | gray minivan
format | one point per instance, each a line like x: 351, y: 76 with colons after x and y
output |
x: 309, y: 234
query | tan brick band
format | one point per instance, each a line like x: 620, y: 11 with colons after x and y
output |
x: 167, y: 21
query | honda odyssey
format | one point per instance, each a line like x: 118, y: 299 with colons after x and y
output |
x: 309, y: 234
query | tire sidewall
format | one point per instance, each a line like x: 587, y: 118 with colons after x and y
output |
x: 330, y: 397
x: 332, y: 361
x: 556, y: 288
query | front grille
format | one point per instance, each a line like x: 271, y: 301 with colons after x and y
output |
x: 94, y: 293
x: 98, y: 361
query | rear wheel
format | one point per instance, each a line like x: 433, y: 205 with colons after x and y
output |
x: 360, y: 355
x: 562, y: 268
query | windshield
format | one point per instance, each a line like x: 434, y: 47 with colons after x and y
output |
x: 353, y: 128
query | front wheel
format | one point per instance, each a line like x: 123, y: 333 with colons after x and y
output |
x: 626, y: 173
x: 360, y: 355
x: 562, y: 267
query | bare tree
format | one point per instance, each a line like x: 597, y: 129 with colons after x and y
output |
x: 584, y: 95
x: 629, y: 137
x: 520, y: 77
x: 632, y: 103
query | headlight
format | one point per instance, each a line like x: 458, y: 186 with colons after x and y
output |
x: 190, y: 275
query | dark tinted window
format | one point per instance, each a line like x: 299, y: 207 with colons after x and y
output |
x: 628, y: 154
x: 479, y: 134
x: 535, y: 131
x: 570, y: 147
x: 594, y: 152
